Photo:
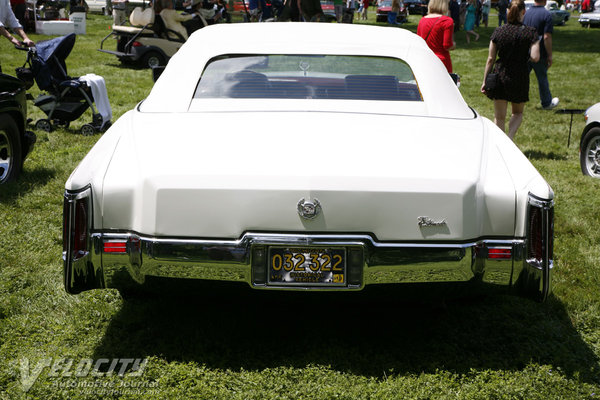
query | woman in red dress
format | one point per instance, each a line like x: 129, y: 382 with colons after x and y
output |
x: 437, y: 28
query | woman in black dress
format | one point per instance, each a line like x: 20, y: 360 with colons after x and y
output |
x: 514, y: 44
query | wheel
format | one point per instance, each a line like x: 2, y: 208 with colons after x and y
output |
x: 43, y: 125
x: 589, y: 157
x: 10, y: 149
x: 88, y: 130
x: 152, y: 59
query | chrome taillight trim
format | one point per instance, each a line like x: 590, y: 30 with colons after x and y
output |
x: 541, y: 269
x: 75, y: 265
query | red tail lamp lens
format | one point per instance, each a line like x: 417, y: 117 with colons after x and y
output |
x: 115, y: 247
x: 500, y: 253
x: 80, y: 228
x: 535, y: 233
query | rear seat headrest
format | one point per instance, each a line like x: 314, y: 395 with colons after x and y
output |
x: 141, y: 17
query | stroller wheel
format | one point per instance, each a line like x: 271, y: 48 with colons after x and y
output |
x: 44, y: 125
x: 88, y: 130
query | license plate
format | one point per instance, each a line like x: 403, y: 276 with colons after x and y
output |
x: 296, y: 266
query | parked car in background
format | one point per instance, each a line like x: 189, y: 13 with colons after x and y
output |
x: 328, y: 10
x: 416, y: 7
x: 589, y: 145
x: 200, y: 182
x: 385, y: 6
x: 590, y: 20
x: 559, y: 17
x: 15, y: 141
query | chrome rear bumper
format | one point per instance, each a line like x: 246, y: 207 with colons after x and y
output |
x: 126, y: 260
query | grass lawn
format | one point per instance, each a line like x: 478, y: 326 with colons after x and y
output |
x: 274, y: 347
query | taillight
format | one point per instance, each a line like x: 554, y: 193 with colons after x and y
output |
x: 136, y: 44
x: 115, y: 247
x: 534, y: 227
x: 76, y: 225
x: 540, y: 230
x: 80, y: 231
x: 500, y: 253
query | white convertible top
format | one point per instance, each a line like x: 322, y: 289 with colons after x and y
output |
x: 174, y: 91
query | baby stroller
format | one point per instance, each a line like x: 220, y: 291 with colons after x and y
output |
x: 68, y: 98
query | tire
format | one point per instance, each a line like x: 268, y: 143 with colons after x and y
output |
x: 88, y: 130
x: 152, y: 59
x: 10, y: 149
x: 44, y: 125
x: 589, y: 157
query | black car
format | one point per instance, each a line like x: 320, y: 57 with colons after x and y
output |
x: 15, y: 141
x: 416, y: 7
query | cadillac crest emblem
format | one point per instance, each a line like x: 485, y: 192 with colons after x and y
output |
x: 309, y: 209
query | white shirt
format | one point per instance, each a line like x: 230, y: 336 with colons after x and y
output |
x: 7, y: 17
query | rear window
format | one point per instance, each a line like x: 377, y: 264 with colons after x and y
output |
x: 308, y: 77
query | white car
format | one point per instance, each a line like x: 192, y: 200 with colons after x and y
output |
x: 298, y: 163
x: 589, y: 145
x: 591, y: 19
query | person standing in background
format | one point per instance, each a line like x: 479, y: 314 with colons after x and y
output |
x: 348, y: 16
x: 365, y: 8
x: 393, y: 14
x: 454, y: 8
x: 585, y: 6
x: 541, y: 19
x: 502, y: 7
x: 513, y: 44
x: 338, y: 8
x: 120, y: 8
x: 437, y: 29
x: 470, y: 20
x: 485, y: 12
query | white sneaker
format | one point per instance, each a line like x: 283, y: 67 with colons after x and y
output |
x: 552, y: 104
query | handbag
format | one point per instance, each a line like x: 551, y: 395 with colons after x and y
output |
x: 491, y: 82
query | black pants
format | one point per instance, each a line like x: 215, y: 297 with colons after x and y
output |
x: 19, y: 10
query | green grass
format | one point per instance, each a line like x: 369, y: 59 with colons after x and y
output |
x: 270, y: 347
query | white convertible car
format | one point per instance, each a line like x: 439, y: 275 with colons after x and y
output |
x: 310, y: 158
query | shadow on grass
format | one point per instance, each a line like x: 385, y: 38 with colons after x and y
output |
x: 540, y: 155
x: 366, y: 334
x: 26, y: 182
